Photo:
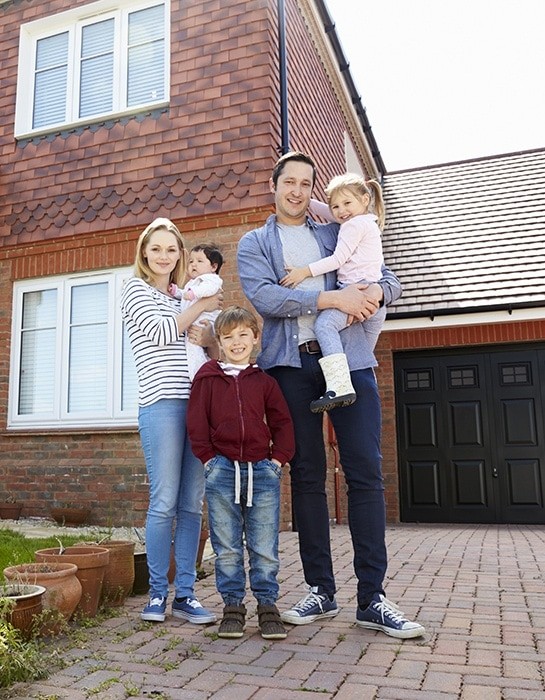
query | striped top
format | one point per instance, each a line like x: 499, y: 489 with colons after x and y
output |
x: 158, y: 348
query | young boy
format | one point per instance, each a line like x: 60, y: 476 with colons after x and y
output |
x: 240, y: 428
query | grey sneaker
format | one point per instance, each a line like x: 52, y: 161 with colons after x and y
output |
x: 232, y: 625
x: 310, y: 608
x: 270, y: 624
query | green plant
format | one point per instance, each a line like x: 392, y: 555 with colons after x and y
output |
x: 22, y: 659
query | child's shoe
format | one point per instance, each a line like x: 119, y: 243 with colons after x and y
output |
x: 270, y: 624
x: 233, y: 623
x: 339, y: 388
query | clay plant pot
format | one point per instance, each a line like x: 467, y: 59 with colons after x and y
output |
x: 119, y: 574
x: 91, y: 562
x: 10, y: 511
x: 70, y: 515
x: 28, y: 604
x: 62, y: 586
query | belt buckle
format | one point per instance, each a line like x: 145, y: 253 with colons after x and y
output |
x: 310, y: 348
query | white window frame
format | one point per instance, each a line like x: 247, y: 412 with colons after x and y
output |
x: 72, y: 21
x: 114, y: 415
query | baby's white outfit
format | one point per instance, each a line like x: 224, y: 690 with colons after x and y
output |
x: 203, y: 286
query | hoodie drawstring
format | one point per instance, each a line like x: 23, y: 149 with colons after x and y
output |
x: 250, y: 494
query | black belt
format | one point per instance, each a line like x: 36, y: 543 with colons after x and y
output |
x: 311, y: 347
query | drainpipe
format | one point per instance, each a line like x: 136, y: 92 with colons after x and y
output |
x: 283, y: 60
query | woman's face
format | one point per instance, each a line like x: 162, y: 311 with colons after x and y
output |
x: 162, y: 253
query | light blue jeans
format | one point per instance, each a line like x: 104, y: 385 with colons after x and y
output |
x: 231, y: 522
x: 176, y: 480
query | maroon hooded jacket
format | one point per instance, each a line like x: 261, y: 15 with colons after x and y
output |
x: 243, y: 418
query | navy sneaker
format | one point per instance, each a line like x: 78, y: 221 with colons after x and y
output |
x: 383, y: 616
x: 155, y: 610
x: 190, y: 609
x: 310, y: 608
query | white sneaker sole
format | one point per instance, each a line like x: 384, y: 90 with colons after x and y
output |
x: 194, y: 619
x: 294, y: 619
x: 399, y: 634
x: 153, y: 617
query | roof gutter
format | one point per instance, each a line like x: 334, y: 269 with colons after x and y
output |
x: 432, y: 313
x: 329, y: 27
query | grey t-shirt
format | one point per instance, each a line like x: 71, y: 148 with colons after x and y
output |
x: 300, y: 248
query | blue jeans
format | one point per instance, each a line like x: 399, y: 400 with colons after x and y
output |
x: 357, y: 428
x: 231, y: 522
x: 176, y: 481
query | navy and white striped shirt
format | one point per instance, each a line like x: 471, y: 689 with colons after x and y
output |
x: 158, y: 347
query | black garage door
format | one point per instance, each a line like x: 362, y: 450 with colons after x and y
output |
x: 471, y: 440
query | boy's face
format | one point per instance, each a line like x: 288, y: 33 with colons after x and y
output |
x: 199, y: 264
x: 238, y: 345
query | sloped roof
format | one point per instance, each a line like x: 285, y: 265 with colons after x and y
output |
x: 467, y: 236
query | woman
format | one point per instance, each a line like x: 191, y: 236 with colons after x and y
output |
x: 157, y: 326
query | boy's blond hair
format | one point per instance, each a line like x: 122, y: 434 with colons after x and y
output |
x: 234, y: 316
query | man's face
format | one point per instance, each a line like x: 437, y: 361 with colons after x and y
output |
x: 292, y: 193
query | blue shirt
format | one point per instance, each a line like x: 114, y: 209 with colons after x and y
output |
x: 261, y: 267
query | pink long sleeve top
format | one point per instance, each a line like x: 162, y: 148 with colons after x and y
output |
x: 358, y: 253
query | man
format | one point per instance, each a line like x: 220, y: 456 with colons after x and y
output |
x: 290, y: 354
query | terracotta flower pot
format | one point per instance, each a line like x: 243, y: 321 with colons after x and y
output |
x: 119, y: 574
x: 70, y: 515
x: 28, y: 604
x: 91, y: 562
x: 10, y: 511
x: 62, y: 586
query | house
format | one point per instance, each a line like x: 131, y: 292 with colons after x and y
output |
x: 116, y: 112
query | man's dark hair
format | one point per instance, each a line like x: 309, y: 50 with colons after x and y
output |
x: 211, y: 252
x: 296, y: 156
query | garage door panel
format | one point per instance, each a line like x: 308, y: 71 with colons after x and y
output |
x: 466, y: 423
x: 424, y: 486
x: 524, y: 481
x: 470, y: 483
x: 421, y: 424
x: 519, y: 422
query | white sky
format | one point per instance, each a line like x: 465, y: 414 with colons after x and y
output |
x: 446, y: 80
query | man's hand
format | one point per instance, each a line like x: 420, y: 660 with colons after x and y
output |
x: 360, y: 301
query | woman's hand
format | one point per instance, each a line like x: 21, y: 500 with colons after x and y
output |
x: 213, y: 303
x: 201, y: 334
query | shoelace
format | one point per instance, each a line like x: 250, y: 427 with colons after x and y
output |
x: 308, y: 601
x: 193, y: 603
x: 386, y: 610
x: 156, y: 601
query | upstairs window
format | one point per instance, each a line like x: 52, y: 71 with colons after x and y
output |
x: 91, y: 63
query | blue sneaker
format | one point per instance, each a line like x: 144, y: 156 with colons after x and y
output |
x: 155, y: 610
x: 383, y: 616
x: 310, y: 608
x: 190, y: 609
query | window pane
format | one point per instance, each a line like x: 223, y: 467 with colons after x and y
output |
x: 97, y: 64
x: 88, y: 358
x: 38, y: 359
x: 146, y: 56
x: 50, y: 80
x: 88, y: 365
x: 129, y: 381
